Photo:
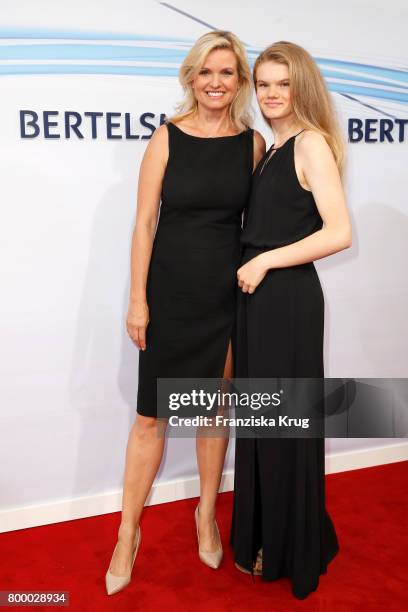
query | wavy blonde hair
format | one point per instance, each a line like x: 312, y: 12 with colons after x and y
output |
x: 218, y: 39
x: 311, y: 100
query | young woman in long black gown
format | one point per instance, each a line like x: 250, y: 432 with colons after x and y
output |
x: 296, y: 214
x: 197, y: 171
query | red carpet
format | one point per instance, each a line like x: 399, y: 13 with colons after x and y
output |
x: 369, y: 508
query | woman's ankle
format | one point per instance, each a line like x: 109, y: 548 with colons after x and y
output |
x: 127, y: 532
x: 206, y: 513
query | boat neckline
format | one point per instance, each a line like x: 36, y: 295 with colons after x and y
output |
x: 206, y: 137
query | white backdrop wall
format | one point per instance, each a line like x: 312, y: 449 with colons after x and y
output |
x: 68, y: 368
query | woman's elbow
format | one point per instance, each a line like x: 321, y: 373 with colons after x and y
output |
x: 145, y: 227
x: 345, y: 238
x: 340, y: 238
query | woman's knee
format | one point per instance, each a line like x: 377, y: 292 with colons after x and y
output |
x: 148, y: 426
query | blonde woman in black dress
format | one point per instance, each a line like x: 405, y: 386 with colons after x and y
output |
x: 183, y: 279
x: 297, y: 213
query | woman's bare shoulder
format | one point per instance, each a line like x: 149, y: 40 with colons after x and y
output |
x: 311, y: 140
x: 161, y: 133
x: 259, y: 140
x: 259, y: 146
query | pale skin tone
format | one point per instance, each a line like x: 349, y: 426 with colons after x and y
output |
x: 317, y: 172
x: 215, y: 87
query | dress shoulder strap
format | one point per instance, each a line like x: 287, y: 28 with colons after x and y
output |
x: 174, y: 138
x: 170, y: 125
x: 171, y: 128
x: 250, y: 137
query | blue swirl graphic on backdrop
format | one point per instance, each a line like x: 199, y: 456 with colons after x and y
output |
x: 82, y: 52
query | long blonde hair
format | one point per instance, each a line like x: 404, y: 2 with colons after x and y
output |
x: 218, y: 39
x: 311, y: 100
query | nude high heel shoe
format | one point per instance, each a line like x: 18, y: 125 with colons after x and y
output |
x: 113, y: 583
x: 212, y: 559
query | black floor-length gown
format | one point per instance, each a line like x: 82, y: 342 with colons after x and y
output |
x: 279, y: 499
x: 191, y: 286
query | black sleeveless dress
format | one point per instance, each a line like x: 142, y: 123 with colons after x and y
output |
x: 279, y: 499
x: 191, y: 287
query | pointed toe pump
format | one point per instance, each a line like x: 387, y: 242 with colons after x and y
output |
x: 212, y: 559
x: 113, y: 583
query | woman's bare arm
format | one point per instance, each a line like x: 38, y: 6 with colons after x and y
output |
x: 151, y: 175
x: 317, y: 170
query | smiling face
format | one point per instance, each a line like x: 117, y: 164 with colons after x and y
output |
x: 273, y: 90
x: 216, y: 84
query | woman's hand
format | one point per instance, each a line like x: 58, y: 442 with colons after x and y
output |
x: 251, y: 274
x: 137, y: 322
